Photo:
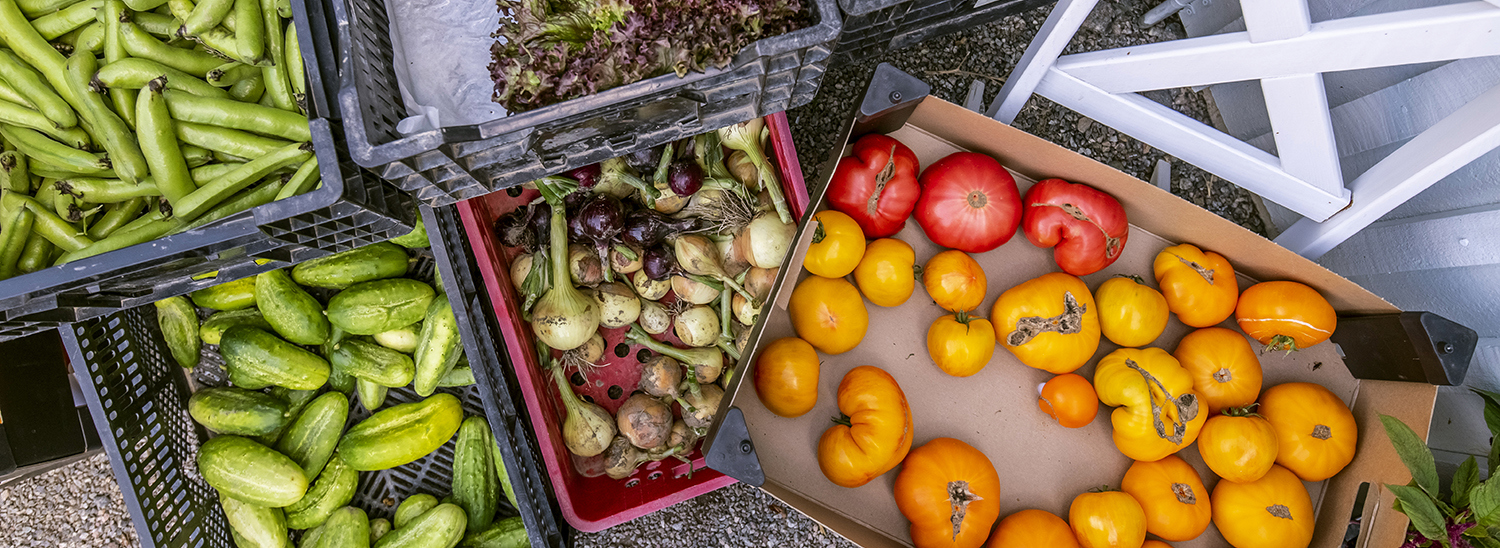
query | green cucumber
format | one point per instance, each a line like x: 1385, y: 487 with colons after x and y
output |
x: 231, y: 295
x: 438, y: 347
x: 213, y: 328
x: 460, y: 376
x: 179, y: 327
x: 348, y: 527
x: 255, y: 526
x: 506, y: 533
x: 333, y: 489
x: 367, y: 308
x: 341, y: 270
x: 372, y: 362
x: 296, y: 401
x: 440, y: 527
x: 476, y: 488
x: 231, y: 410
x: 371, y: 395
x: 416, y: 238
x: 400, y: 339
x: 402, y: 434
x: 337, y: 380
x: 310, y: 440
x: 256, y: 359
x: 412, y: 507
x: 253, y: 473
x: 378, y: 528
x: 504, y: 477
x: 295, y: 314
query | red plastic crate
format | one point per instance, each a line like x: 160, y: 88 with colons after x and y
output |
x: 594, y: 502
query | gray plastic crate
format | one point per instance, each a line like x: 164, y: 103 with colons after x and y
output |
x: 873, y: 27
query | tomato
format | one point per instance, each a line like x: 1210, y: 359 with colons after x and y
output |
x: 1032, y: 529
x: 960, y: 345
x: 1226, y: 372
x: 1274, y: 511
x: 876, y: 185
x: 1131, y: 314
x: 838, y: 245
x: 1086, y: 225
x: 887, y: 273
x: 950, y: 493
x: 1155, y: 417
x: 969, y: 203
x: 828, y: 313
x: 1285, y: 315
x: 1238, y: 445
x: 1155, y: 544
x: 954, y: 280
x: 1199, y: 286
x: 1107, y: 519
x: 873, y: 431
x: 1172, y: 495
x: 1315, y: 432
x: 786, y: 377
x: 1070, y: 399
x: 1049, y: 322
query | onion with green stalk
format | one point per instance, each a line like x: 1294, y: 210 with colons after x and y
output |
x: 564, y: 318
x: 697, y: 326
x: 696, y: 254
x: 615, y: 172
x: 703, y: 364
x: 588, y: 428
x: 694, y: 291
x: 745, y: 137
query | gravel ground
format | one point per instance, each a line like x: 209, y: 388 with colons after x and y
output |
x: 80, y: 505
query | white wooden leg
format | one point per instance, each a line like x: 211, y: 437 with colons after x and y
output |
x: 1298, y: 106
x: 1456, y: 31
x: 1055, y: 34
x: 1450, y: 144
x: 1194, y: 142
x: 1268, y: 20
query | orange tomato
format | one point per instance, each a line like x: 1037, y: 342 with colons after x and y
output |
x: 1172, y: 495
x: 829, y: 314
x: 887, y: 273
x: 960, y: 345
x: 1226, y: 372
x: 1155, y: 544
x: 1108, y: 519
x: 1049, y: 322
x: 1238, y: 445
x: 1199, y: 286
x: 1285, y: 315
x: 838, y: 245
x: 1315, y: 432
x: 950, y: 493
x: 873, y: 431
x: 1131, y: 314
x: 786, y: 377
x: 1032, y: 529
x: 954, y: 280
x: 1070, y: 399
x: 1274, y: 511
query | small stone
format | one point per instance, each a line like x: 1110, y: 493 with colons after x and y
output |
x: 1084, y: 123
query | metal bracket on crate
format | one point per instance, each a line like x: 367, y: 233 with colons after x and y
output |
x: 888, y: 101
x: 1409, y: 346
x: 733, y: 452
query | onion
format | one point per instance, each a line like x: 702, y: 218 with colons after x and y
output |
x: 592, y: 350
x: 588, y: 429
x: 742, y: 339
x: 705, y: 364
x: 745, y: 311
x: 615, y: 175
x: 745, y: 137
x: 669, y: 202
x: 622, y: 263
x: 584, y: 267
x: 654, y: 319
x: 734, y: 262
x: 645, y: 228
x: 622, y: 458
x: 698, y: 326
x: 697, y: 254
x: 645, y: 421
x: 658, y: 263
x: 709, y: 154
x: 648, y: 288
x: 564, y: 318
x: 618, y: 305
x: 644, y: 160
x: 693, y: 291
x: 743, y: 170
x: 705, y: 406
x: 766, y: 240
x: 760, y: 281
x: 661, y: 376
x: 684, y: 178
x: 519, y: 269
x: 682, y: 436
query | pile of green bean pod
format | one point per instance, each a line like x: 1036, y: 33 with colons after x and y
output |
x: 123, y: 121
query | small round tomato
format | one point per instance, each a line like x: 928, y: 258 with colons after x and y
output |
x: 1070, y: 399
x: 1285, y: 315
x: 1032, y: 529
x: 1049, y: 322
x: 1238, y: 445
x: 1199, y: 286
x: 887, y: 273
x: 786, y: 377
x: 961, y: 345
x: 1226, y: 372
x: 829, y: 314
x: 838, y: 245
x: 1131, y: 314
x: 954, y: 280
x: 1153, y: 543
x: 1107, y: 519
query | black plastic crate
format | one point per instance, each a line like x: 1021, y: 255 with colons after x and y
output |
x: 352, y: 208
x: 443, y: 166
x: 139, y: 396
x: 873, y: 27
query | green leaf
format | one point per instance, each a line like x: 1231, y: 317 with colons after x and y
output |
x: 1483, y: 542
x: 1419, y: 506
x: 1494, y: 458
x: 1464, y: 481
x: 1484, y: 500
x: 1491, y: 410
x: 1414, y: 453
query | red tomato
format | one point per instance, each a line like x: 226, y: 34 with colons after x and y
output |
x: 1087, y: 226
x: 876, y: 185
x: 969, y: 203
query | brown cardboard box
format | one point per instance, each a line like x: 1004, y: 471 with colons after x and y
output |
x: 1043, y: 465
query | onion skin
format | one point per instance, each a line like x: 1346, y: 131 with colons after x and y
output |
x: 693, y: 291
x: 744, y: 311
x: 587, y: 176
x: 661, y: 376
x: 618, y: 305
x: 584, y: 267
x: 654, y: 319
x: 760, y: 281
x: 644, y: 421
x: 648, y: 288
x: 622, y: 458
x: 743, y: 170
x: 670, y: 203
x: 564, y: 318
x: 684, y: 177
x: 697, y: 326
x: 588, y: 429
x: 734, y: 261
x: 766, y: 240
x: 593, y: 349
x: 519, y: 269
x: 705, y: 406
x: 658, y: 263
x: 622, y: 264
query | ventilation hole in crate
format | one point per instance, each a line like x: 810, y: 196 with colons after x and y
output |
x: 576, y: 379
x: 642, y: 355
x: 622, y: 350
x: 615, y: 392
x: 513, y: 192
x: 587, y: 398
x: 633, y: 482
x: 654, y: 475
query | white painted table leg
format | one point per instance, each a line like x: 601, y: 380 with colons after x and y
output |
x: 1055, y: 34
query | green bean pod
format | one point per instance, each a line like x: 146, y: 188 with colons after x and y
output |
x: 14, y: 175
x: 284, y: 9
x: 13, y: 242
x: 17, y: 115
x: 296, y: 73
x: 233, y: 115
x: 275, y: 75
x: 257, y: 196
x: 203, y: 174
x: 117, y: 138
x: 106, y: 191
x: 116, y: 216
x: 43, y: 170
x: 228, y: 74
x: 65, y: 20
x: 144, y: 5
x: 162, y: 26
x: 302, y: 181
x: 206, y: 15
x: 123, y: 100
x: 91, y: 39
x: 30, y: 84
x: 248, y: 90
x: 27, y: 44
x: 126, y: 236
x: 38, y: 8
x: 250, y: 31
x: 37, y: 255
x: 47, y: 222
x: 39, y: 147
x: 134, y: 73
x: 181, y: 10
x: 8, y: 93
x: 143, y: 45
x: 229, y: 141
x: 226, y: 185
x: 196, y: 156
x: 159, y: 143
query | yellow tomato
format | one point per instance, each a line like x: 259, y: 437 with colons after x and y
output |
x: 1049, y: 322
x: 786, y: 377
x: 1131, y: 314
x: 828, y: 314
x: 954, y: 281
x: 1199, y: 285
x: 887, y: 273
x: 1107, y: 519
x: 838, y: 245
x: 961, y: 345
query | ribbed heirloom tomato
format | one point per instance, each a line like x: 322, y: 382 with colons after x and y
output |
x: 1086, y: 225
x: 873, y: 431
x: 960, y: 345
x: 1199, y: 286
x: 1049, y: 322
x: 1070, y: 399
x: 829, y: 314
x: 1157, y: 412
x: 1172, y: 495
x: 1032, y: 529
x: 1107, y: 519
x: 1238, y: 445
x: 1226, y: 372
x: 954, y: 280
x: 876, y: 185
x: 1315, y: 432
x: 786, y: 377
x: 950, y: 493
x: 838, y: 245
x: 1131, y: 314
x: 887, y: 273
x: 1274, y: 511
x: 969, y: 203
x: 1285, y: 315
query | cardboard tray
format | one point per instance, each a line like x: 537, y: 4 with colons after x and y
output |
x: 1043, y: 465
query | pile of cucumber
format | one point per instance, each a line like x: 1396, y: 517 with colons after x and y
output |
x: 281, y: 458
